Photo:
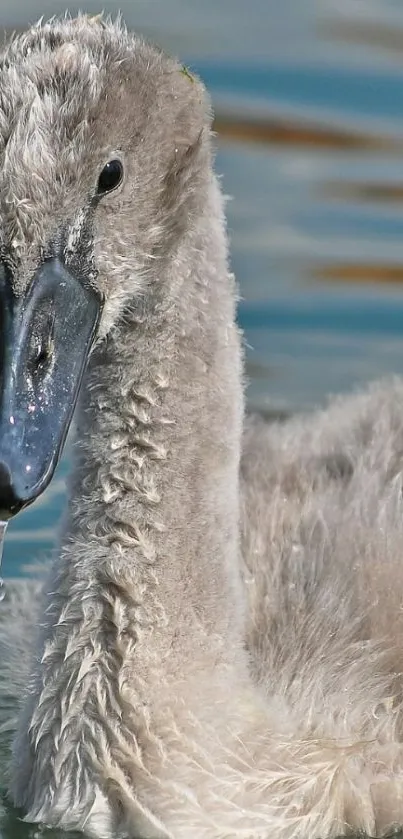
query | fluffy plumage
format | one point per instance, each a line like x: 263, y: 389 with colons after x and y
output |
x: 218, y: 643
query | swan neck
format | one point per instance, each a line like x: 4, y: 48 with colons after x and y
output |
x: 154, y: 496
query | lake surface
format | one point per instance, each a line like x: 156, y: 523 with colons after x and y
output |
x: 309, y: 98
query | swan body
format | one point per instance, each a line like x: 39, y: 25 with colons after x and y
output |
x: 216, y: 651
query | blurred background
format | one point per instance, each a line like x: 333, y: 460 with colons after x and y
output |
x: 308, y: 97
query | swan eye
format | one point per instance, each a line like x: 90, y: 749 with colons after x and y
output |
x: 110, y: 177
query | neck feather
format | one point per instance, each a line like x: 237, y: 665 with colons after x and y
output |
x: 154, y: 496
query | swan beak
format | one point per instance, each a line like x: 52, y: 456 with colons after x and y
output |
x: 45, y: 339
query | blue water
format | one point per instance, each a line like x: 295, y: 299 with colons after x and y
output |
x: 337, y: 89
x: 300, y: 213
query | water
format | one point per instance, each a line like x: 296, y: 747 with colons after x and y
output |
x: 310, y: 119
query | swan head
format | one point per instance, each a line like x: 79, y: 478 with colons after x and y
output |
x: 104, y: 143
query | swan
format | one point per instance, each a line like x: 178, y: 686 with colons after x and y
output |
x: 216, y: 650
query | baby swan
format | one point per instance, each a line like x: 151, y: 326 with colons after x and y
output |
x: 208, y: 662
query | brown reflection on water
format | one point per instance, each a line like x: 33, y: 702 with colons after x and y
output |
x: 367, y: 33
x: 345, y: 272
x: 328, y: 140
x: 377, y: 37
x: 355, y: 191
x: 287, y: 133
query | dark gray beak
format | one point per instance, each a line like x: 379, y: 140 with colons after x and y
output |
x: 45, y: 339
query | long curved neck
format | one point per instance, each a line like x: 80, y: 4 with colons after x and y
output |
x: 154, y: 496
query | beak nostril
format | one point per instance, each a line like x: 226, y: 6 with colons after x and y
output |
x: 43, y: 359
